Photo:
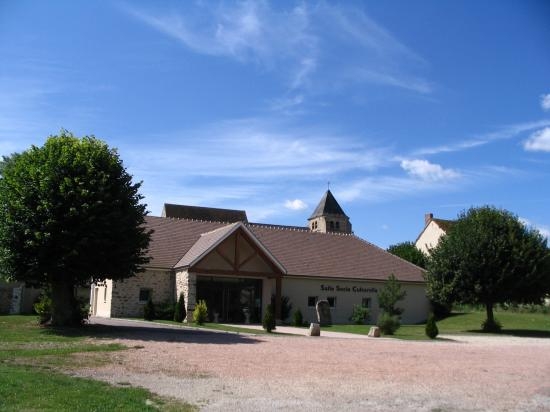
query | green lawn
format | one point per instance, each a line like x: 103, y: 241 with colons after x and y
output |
x: 32, y: 359
x: 516, y: 324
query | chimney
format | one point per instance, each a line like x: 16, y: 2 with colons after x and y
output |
x: 428, y: 218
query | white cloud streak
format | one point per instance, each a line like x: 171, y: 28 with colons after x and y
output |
x: 544, y: 230
x: 539, y: 141
x: 545, y: 102
x: 301, y: 42
x: 506, y: 132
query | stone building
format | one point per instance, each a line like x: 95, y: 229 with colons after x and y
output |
x: 238, y: 267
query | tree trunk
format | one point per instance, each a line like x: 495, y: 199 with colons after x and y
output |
x: 64, y: 305
x: 490, y: 315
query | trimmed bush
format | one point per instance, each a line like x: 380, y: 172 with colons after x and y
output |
x: 297, y: 318
x: 149, y: 310
x: 43, y: 308
x: 179, y: 311
x: 431, y: 327
x: 359, y: 315
x: 200, y: 314
x: 388, y: 324
x: 268, y: 322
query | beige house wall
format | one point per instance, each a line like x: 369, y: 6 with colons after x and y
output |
x: 349, y: 293
x: 429, y: 238
x: 101, y: 298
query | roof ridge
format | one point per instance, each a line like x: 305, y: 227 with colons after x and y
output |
x: 220, y: 228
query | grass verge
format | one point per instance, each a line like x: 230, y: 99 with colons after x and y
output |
x: 32, y: 362
x: 513, y: 323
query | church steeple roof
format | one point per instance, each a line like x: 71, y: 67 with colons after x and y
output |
x: 327, y: 206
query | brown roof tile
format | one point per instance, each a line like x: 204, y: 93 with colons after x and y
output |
x: 300, y: 251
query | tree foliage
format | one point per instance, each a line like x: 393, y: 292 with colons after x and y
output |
x: 389, y: 295
x: 69, y: 213
x: 409, y: 252
x: 489, y: 257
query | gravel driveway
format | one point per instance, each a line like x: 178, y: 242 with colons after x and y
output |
x: 221, y: 371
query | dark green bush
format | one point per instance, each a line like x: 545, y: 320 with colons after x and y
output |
x: 164, y: 311
x: 297, y: 318
x: 388, y: 324
x: 200, y: 314
x: 359, y: 315
x: 179, y: 311
x: 268, y: 322
x: 431, y: 327
x: 149, y: 310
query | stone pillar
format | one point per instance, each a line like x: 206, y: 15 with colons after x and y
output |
x: 186, y: 283
x: 278, y: 287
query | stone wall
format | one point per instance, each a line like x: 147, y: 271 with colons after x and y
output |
x: 125, y: 294
x: 186, y: 283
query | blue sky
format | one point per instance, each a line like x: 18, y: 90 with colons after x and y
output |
x: 405, y: 107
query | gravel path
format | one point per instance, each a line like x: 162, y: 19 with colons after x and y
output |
x: 221, y: 371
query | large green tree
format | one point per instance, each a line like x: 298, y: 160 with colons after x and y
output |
x: 489, y: 257
x: 69, y: 214
x: 409, y: 252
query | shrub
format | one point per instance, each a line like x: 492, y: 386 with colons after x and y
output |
x: 489, y: 326
x: 149, y: 310
x: 43, y: 308
x: 179, y: 311
x: 359, y: 315
x: 388, y: 324
x: 268, y: 322
x: 431, y: 327
x: 297, y: 318
x: 286, y: 306
x: 164, y: 311
x: 200, y: 314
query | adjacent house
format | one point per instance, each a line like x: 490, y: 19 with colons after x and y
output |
x: 239, y: 267
x: 432, y: 232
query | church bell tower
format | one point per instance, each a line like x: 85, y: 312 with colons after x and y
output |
x: 329, y: 216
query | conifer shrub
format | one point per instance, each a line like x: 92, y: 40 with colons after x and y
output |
x: 149, y: 310
x: 297, y: 318
x: 200, y: 314
x: 179, y: 311
x: 359, y: 315
x: 268, y: 322
x: 388, y: 324
x: 43, y: 308
x: 431, y: 327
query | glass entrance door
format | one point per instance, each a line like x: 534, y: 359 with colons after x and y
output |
x: 234, y: 300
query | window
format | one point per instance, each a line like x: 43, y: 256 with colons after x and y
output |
x: 144, y: 295
x: 337, y: 225
x: 105, y: 294
x: 311, y: 301
x: 331, y: 225
x: 332, y: 301
x: 365, y: 302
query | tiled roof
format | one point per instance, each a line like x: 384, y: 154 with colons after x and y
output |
x: 300, y: 251
x: 327, y: 206
x: 204, y: 213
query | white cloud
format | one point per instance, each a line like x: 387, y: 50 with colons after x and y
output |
x: 506, y: 132
x: 427, y: 171
x: 538, y: 141
x: 302, y: 43
x: 545, y: 101
x: 295, y: 204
